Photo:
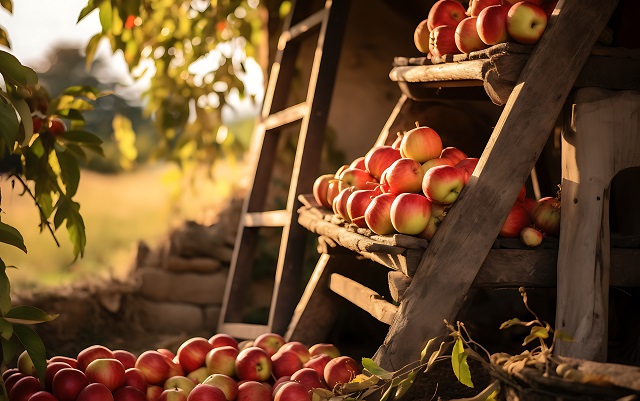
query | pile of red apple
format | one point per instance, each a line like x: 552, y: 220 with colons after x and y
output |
x: 452, y: 29
x: 218, y: 369
x: 409, y: 186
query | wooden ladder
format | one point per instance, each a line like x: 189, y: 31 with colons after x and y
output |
x: 311, y: 114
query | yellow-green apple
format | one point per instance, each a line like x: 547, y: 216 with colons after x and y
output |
x: 222, y: 340
x: 454, y: 154
x: 245, y: 344
x: 168, y: 353
x: 192, y: 352
x: 340, y: 370
x: 154, y: 366
x: 25, y: 388
x: 25, y: 365
x: 182, y: 382
x: 410, y: 213
x: 270, y: 342
x: 46, y: 396
x: 253, y: 391
x: 467, y: 166
x: 285, y: 363
x: 134, y: 377
x: 357, y: 204
x: 107, y: 371
x: 354, y: 177
x: 340, y: 203
x: 309, y: 378
x: 404, y: 176
x: 199, y: 375
x: 421, y: 144
x: 95, y: 392
x: 128, y: 393
x: 526, y: 22
x: 320, y: 188
x: 318, y: 362
x: 206, y: 392
x: 222, y: 360
x: 442, y: 184
x: 421, y: 40
x: 379, y: 158
x: 439, y: 161
x: 153, y: 392
x: 492, y: 24
x: 59, y: 358
x: 126, y: 357
x: 68, y: 383
x: 517, y: 219
x: 12, y: 380
x: 437, y: 215
x: 253, y: 363
x: 467, y: 38
x: 225, y: 383
x: 173, y: 394
x: 531, y: 237
x: 358, y: 162
x: 445, y: 12
x: 475, y: 6
x: 299, y: 348
x: 87, y: 355
x: 545, y: 215
x: 332, y: 192
x: 378, y: 214
x: 324, y: 348
x: 52, y: 369
x: 396, y: 142
x: 292, y: 391
x: 442, y: 41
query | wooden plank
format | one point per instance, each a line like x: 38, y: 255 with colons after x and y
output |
x: 363, y: 297
x: 606, y: 140
x: 454, y: 257
x: 286, y: 116
x: 272, y: 218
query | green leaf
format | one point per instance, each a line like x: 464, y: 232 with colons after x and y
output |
x: 65, y: 102
x: 10, y: 348
x: 14, y: 72
x: 90, y: 50
x: 435, y: 354
x: 394, y: 383
x: 6, y: 329
x: 28, y: 315
x: 70, y: 211
x: 9, y: 125
x: 106, y: 16
x: 370, y: 366
x: 563, y: 336
x: 22, y: 108
x: 7, y: 5
x: 91, y: 5
x: 359, y: 383
x: 509, y: 323
x: 69, y: 172
x: 460, y: 365
x: 536, y: 332
x: 5, y: 289
x: 406, y: 384
x: 9, y: 235
x: 71, y: 114
x: 80, y: 136
x: 4, y: 38
x: 34, y: 347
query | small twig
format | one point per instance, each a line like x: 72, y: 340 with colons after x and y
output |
x: 43, y: 218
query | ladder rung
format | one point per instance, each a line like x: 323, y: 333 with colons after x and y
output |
x: 243, y: 330
x: 364, y: 297
x: 286, y: 116
x: 301, y: 27
x: 272, y: 218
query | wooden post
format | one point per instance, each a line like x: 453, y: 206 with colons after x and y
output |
x: 455, y: 255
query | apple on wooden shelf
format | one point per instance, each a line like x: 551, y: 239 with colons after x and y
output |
x: 445, y: 13
x: 175, y: 394
x: 442, y: 184
x: 437, y: 215
x: 439, y: 161
x: 379, y: 158
x: 378, y: 214
x: 526, y: 22
x: 517, y: 219
x: 531, y: 237
x: 467, y: 166
x: 354, y: 177
x: 475, y: 6
x: 222, y: 340
x: 340, y: 203
x: 332, y: 192
x: 410, y: 213
x: 421, y: 144
x: 545, y: 215
x: 357, y: 204
x: 404, y: 175
x: 492, y: 24
x: 309, y: 378
x: 442, y: 41
x: 467, y: 37
x: 454, y: 154
x: 358, y: 163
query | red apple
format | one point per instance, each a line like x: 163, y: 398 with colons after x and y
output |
x: 127, y: 358
x: 192, y: 352
x: 404, y: 175
x: 253, y: 363
x: 56, y: 126
x: 526, y: 22
x: 379, y: 158
x: 25, y: 365
x: 292, y: 391
x: 154, y: 366
x: 531, y: 237
x: 467, y: 38
x: 436, y: 162
x: 95, y: 392
x: 442, y: 184
x: 545, y: 215
x: 133, y: 377
x: 340, y: 370
x: 181, y: 382
x: 225, y: 383
x: 318, y: 362
x: 492, y: 24
x: 45, y: 396
x: 174, y: 394
x: 52, y: 369
x: 358, y: 163
x: 360, y: 179
x: 12, y: 380
x: 128, y: 393
x: 285, y: 363
x: 421, y: 144
x: 445, y: 12
x: 378, y: 214
x: 25, y: 388
x: 442, y: 41
x: 109, y: 372
x: 153, y: 392
x: 512, y: 2
x: 475, y: 6
x: 167, y: 352
x: 421, y: 40
x: 467, y: 166
x: 324, y: 348
x: 222, y: 360
x: 384, y: 186
x: 357, y: 204
x: 452, y: 153
x: 205, y: 392
x: 222, y: 340
x: 517, y: 219
x: 299, y: 348
x: 71, y: 361
x: 437, y: 215
x: 410, y: 213
x: 91, y: 353
x: 400, y: 134
x: 278, y: 383
x: 528, y: 204
x: 270, y: 342
x: 68, y: 383
x: 309, y: 378
x: 8, y: 373
x: 320, y: 188
x: 340, y: 203
x: 253, y: 391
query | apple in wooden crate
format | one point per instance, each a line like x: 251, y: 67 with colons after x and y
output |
x: 526, y: 22
x: 404, y: 176
x: 410, y: 213
x: 318, y: 363
x: 378, y: 214
x: 357, y: 204
x: 517, y: 219
x: 545, y: 215
x: 379, y: 158
x: 443, y: 184
x: 309, y: 378
x: 492, y: 24
x: 475, y: 6
x: 442, y: 41
x: 467, y: 37
x: 421, y: 144
x: 445, y: 13
x: 270, y: 342
x: 531, y: 237
x: 299, y: 348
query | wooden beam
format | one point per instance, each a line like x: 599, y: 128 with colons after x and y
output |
x: 452, y: 260
x: 364, y: 297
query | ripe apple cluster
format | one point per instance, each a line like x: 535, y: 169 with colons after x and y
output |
x: 216, y: 369
x: 451, y: 29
